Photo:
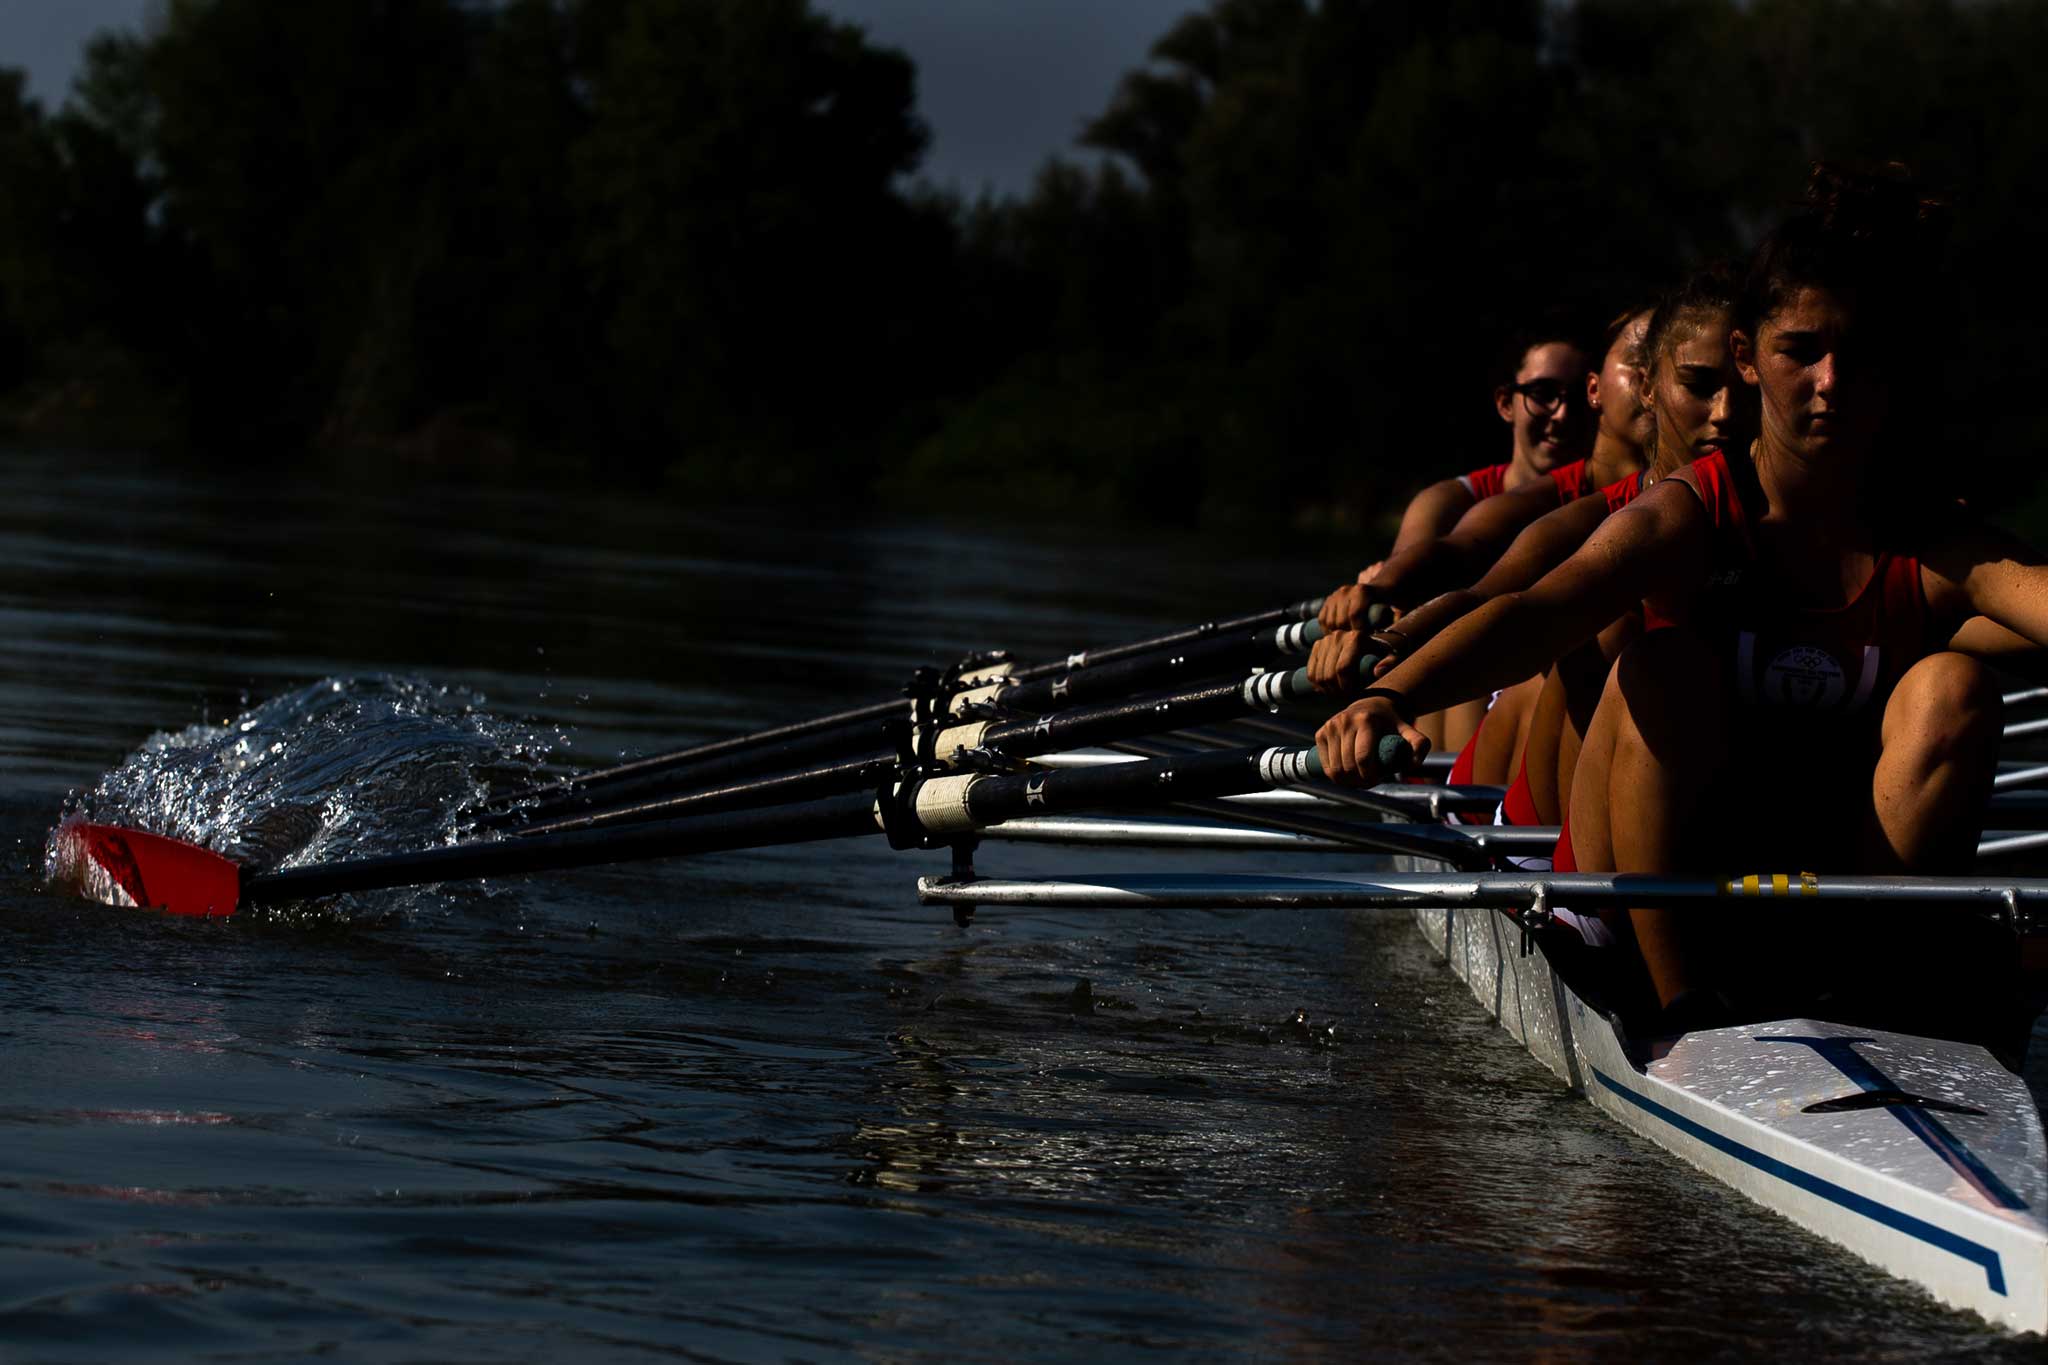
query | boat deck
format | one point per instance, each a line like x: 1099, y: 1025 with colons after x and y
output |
x: 1922, y: 1156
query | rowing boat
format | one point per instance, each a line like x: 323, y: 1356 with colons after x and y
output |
x: 1924, y: 1157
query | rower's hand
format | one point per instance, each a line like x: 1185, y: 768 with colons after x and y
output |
x: 1371, y: 572
x: 1392, y: 647
x: 1346, y: 608
x: 1336, y: 661
x: 1349, y: 742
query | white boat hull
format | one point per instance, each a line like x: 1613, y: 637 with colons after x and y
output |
x: 1949, y: 1194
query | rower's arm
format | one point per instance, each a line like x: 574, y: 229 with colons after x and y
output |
x: 1413, y: 576
x: 1980, y: 637
x: 1982, y: 570
x: 1432, y: 513
x: 1660, y: 543
x: 1546, y: 543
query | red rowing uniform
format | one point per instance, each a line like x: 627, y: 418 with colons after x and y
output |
x: 1801, y: 663
x: 1822, y: 674
x: 1518, y: 805
x: 1622, y: 492
x: 1462, y: 766
x: 1572, y: 481
x: 1484, y: 483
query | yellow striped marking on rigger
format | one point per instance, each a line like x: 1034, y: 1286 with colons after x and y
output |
x: 1781, y: 884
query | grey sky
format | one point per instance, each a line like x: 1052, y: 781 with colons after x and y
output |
x: 1003, y: 83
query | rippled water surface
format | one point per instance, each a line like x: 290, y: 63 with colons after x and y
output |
x: 755, y: 1106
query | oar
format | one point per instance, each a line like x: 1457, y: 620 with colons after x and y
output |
x: 150, y: 871
x: 1484, y: 890
x: 1074, y: 727
x: 1215, y: 646
x: 1254, y: 829
x: 2026, y: 696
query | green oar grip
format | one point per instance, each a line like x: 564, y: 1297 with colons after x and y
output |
x: 1379, y: 616
x: 1395, y: 754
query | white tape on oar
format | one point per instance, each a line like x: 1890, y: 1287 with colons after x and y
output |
x: 958, y: 737
x: 942, y: 804
x: 983, y: 676
x: 1269, y: 691
x: 1297, y: 637
x: 978, y: 695
x: 1282, y: 767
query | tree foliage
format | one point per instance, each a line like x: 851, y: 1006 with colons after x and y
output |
x: 686, y: 234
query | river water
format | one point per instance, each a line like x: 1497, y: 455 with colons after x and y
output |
x: 755, y: 1106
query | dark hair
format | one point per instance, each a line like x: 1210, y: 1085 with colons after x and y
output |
x: 1612, y: 332
x: 1872, y: 231
x: 1551, y: 329
x: 1710, y: 289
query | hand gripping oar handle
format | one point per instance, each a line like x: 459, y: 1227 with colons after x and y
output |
x: 1396, y: 756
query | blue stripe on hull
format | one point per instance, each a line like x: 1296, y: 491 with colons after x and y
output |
x: 1919, y: 1228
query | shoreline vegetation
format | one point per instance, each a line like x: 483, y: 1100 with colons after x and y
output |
x: 683, y: 243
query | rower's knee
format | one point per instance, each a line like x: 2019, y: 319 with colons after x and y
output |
x: 1945, y: 709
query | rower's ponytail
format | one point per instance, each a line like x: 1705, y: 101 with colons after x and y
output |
x: 1871, y: 231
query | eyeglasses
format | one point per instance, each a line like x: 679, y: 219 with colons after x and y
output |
x: 1541, y: 396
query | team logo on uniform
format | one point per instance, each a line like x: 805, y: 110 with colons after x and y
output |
x: 1804, y: 676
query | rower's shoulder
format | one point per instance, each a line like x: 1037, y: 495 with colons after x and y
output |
x: 1930, y: 525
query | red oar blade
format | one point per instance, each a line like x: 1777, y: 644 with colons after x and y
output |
x: 148, y: 871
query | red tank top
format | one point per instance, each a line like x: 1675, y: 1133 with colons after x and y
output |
x: 1572, y: 483
x: 1623, y: 491
x: 1484, y: 483
x: 1805, y: 661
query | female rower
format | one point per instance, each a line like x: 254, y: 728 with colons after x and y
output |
x: 1416, y: 572
x: 1801, y: 705
x: 1540, y: 397
x: 1698, y: 406
x: 1498, y: 732
x: 1542, y: 400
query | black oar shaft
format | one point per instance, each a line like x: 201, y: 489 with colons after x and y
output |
x: 938, y: 809
x: 1232, y: 653
x: 1303, y: 610
x: 989, y: 800
x: 1242, y: 647
x: 834, y: 818
x: 1017, y: 739
x: 858, y: 744
x: 1152, y: 714
x: 855, y: 774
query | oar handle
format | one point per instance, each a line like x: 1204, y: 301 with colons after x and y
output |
x: 1396, y: 756
x: 1379, y: 616
x: 1293, y: 689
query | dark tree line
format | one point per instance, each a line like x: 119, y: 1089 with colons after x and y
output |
x: 682, y: 236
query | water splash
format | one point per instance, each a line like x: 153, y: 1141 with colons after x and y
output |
x: 343, y: 768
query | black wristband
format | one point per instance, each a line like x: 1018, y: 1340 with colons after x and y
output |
x: 1392, y: 698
